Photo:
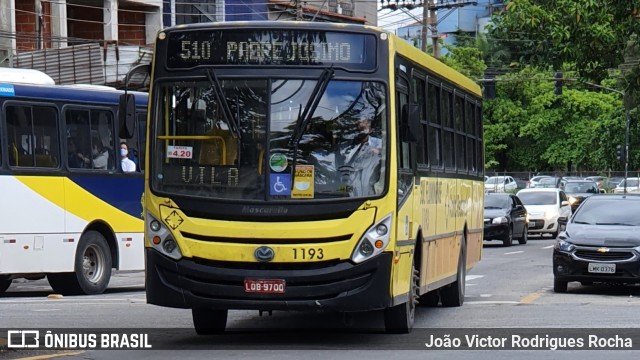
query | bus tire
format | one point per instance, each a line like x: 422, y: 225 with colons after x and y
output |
x: 4, y: 285
x: 92, y: 268
x: 453, y: 294
x: 399, y: 319
x: 209, y: 321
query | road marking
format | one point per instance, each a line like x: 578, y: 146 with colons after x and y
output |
x: 490, y: 302
x: 514, y: 252
x: 473, y: 277
x: 548, y: 247
x: 531, y: 298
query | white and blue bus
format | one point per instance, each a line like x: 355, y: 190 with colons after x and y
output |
x: 68, y: 211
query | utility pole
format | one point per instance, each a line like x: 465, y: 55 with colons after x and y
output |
x: 432, y: 21
x: 298, y: 10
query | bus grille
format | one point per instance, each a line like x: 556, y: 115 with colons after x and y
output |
x: 228, y: 240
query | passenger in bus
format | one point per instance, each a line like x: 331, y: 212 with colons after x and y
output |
x: 127, y: 164
x: 100, y: 156
x: 74, y: 157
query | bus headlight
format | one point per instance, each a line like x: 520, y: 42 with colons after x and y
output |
x: 161, y: 239
x: 374, y: 241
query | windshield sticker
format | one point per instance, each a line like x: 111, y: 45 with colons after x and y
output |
x: 278, y: 162
x: 303, y: 182
x: 280, y: 184
x: 179, y: 152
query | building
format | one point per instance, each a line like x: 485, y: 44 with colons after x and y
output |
x: 97, y: 41
x: 454, y: 18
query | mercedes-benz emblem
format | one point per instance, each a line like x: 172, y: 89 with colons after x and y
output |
x: 264, y: 254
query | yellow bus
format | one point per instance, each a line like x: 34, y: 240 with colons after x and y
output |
x: 308, y: 166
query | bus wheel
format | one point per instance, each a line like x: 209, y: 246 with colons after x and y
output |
x: 209, y: 321
x: 4, y: 285
x: 92, y: 268
x: 453, y: 294
x: 399, y: 319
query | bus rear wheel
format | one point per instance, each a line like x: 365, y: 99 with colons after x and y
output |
x: 399, y: 319
x: 4, y: 285
x: 209, y: 321
x: 453, y: 294
x: 92, y: 268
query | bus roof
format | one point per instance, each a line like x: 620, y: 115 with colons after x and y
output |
x: 25, y: 76
x: 87, y: 93
x: 275, y: 24
x: 438, y: 67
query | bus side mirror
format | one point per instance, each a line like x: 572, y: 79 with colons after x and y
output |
x: 410, y: 123
x: 127, y: 115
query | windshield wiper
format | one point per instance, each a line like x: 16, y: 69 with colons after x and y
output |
x: 583, y: 222
x: 312, y: 104
x: 226, y: 110
x: 305, y: 116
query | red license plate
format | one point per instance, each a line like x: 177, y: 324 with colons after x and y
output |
x: 264, y: 286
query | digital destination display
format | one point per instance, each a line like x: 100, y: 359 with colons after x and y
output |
x: 191, y: 48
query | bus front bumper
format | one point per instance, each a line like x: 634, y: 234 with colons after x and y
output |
x: 340, y: 286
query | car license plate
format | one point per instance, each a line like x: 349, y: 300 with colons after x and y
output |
x: 602, y: 268
x: 264, y: 286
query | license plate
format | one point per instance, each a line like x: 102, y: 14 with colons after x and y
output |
x: 602, y: 268
x: 264, y: 286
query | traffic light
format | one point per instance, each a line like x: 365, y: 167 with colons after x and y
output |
x: 620, y: 152
x: 558, y: 88
x: 489, y: 85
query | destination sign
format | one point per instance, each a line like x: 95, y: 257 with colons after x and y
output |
x: 191, y: 48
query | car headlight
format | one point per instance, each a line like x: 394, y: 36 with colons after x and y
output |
x: 572, y: 200
x: 374, y: 241
x: 499, y: 220
x: 563, y: 245
x: 161, y: 238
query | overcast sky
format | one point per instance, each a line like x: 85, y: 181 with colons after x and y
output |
x: 390, y: 20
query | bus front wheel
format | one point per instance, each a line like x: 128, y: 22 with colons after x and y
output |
x: 92, y: 268
x: 209, y: 321
x: 399, y: 319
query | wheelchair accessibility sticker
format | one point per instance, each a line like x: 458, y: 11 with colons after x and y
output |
x: 280, y: 184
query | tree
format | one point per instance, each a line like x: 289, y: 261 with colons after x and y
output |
x: 528, y: 127
x: 592, y: 34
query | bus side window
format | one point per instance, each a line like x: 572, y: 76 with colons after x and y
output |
x: 33, y: 136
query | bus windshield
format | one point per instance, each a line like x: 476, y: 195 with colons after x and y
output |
x: 241, y: 139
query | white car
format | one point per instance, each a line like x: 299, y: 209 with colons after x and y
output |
x: 534, y: 180
x: 544, y: 207
x: 500, y: 184
x: 633, y: 186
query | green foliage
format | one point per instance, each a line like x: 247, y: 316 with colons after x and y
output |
x: 593, y: 34
x: 467, y: 60
x: 528, y: 127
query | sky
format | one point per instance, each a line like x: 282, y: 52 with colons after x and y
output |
x: 391, y: 20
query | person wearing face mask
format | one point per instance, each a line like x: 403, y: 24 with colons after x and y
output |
x: 127, y: 164
x: 360, y: 168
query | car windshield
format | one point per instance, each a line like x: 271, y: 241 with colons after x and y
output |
x: 580, y: 188
x: 492, y: 202
x: 630, y: 182
x: 615, y: 211
x: 547, y: 182
x: 495, y: 180
x: 538, y: 198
